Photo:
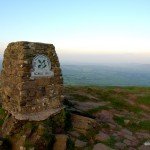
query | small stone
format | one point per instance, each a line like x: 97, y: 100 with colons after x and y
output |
x: 126, y: 131
x: 129, y: 137
x: 135, y: 143
x: 82, y: 124
x: 120, y: 146
x: 105, y: 116
x: 126, y: 122
x: 22, y: 148
x: 101, y: 136
x: 116, y: 136
x: 142, y: 135
x: 33, y: 108
x: 127, y: 142
x: 100, y: 146
x: 91, y: 141
x: 131, y: 143
x: 74, y: 134
x: 147, y: 143
x: 80, y: 144
x: 26, y: 62
x: 112, y: 126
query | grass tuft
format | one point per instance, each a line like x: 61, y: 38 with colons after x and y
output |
x: 144, y: 100
x: 142, y: 125
x: 119, y: 120
x: 111, y: 141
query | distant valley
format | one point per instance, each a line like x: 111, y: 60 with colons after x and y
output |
x: 106, y: 75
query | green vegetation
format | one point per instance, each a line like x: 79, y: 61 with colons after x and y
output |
x: 79, y: 97
x: 111, y: 142
x: 144, y: 100
x: 31, y: 126
x: 83, y: 137
x: 57, y: 122
x: 142, y: 125
x: 2, y: 111
x: 117, y: 102
x: 92, y: 132
x: 28, y: 144
x: 117, y: 96
x: 123, y: 100
x: 105, y: 125
x: 70, y: 144
x: 119, y: 120
x: 1, y: 122
x: 124, y: 104
x: 50, y: 138
x: 2, y: 116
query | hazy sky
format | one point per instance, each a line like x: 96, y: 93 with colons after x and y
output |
x: 81, y: 30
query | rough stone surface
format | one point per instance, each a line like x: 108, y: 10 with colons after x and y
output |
x: 19, y: 145
x: 101, y: 146
x: 120, y: 146
x: 80, y: 144
x: 85, y: 106
x: 27, y: 97
x: 105, y: 116
x: 101, y: 136
x: 82, y: 124
x: 74, y: 134
x: 142, y: 135
x: 126, y: 132
x: 9, y: 125
x: 61, y: 142
x: 37, y: 134
x: 130, y: 143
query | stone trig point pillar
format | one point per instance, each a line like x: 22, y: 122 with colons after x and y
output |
x: 32, y: 84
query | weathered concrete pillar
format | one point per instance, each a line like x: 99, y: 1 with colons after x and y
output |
x: 32, y: 83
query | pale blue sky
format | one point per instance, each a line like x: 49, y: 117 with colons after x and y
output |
x: 80, y: 27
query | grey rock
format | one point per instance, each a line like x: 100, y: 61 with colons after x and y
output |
x: 101, y: 136
x: 120, y: 146
x: 105, y: 116
x: 74, y: 134
x: 80, y: 144
x: 100, y: 146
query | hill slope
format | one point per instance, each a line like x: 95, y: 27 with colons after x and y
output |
x: 122, y: 113
x: 95, y: 118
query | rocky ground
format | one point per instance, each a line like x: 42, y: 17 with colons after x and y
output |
x: 114, y: 118
x: 96, y: 119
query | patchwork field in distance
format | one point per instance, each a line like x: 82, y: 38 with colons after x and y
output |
x: 107, y: 75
